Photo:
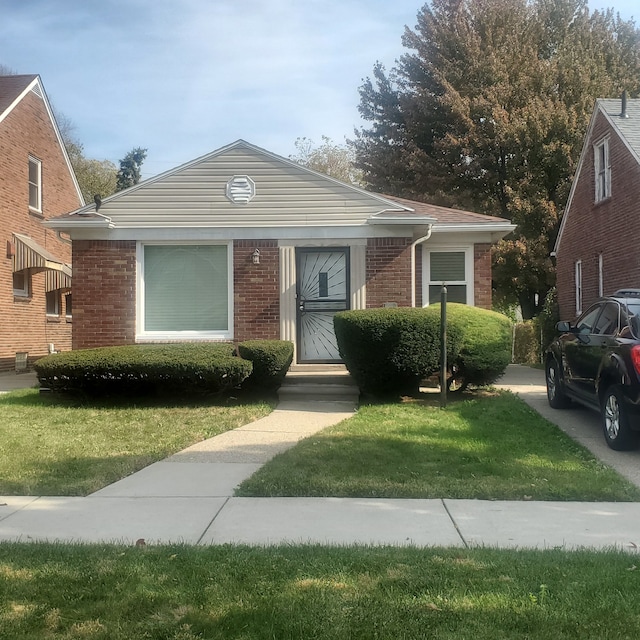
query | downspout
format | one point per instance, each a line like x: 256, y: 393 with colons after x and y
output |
x: 414, y: 244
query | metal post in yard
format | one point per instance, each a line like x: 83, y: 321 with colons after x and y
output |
x: 443, y: 346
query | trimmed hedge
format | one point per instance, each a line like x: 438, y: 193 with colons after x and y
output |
x: 485, y: 343
x: 142, y: 369
x: 271, y: 360
x: 389, y: 351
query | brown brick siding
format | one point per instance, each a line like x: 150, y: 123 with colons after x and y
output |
x: 256, y: 290
x: 388, y: 271
x: 104, y: 299
x: 610, y: 228
x: 482, y: 275
x: 26, y: 131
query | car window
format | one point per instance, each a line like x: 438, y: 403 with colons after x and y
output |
x: 632, y: 321
x: 607, y: 322
x: 587, y: 321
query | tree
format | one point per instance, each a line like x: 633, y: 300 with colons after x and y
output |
x: 129, y: 172
x: 95, y: 177
x: 335, y: 160
x: 489, y: 110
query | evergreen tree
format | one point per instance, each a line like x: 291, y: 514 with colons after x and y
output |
x: 129, y: 172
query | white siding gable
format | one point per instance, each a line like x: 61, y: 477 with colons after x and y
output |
x: 286, y: 195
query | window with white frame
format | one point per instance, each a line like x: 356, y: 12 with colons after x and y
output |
x: 600, y: 275
x: 53, y: 303
x: 453, y: 267
x: 35, y: 184
x: 185, y: 291
x: 578, y: 283
x: 602, y: 169
x: 21, y: 283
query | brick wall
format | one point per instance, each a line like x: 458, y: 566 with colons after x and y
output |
x: 256, y: 290
x: 482, y: 275
x: 26, y: 131
x: 388, y: 271
x: 610, y: 228
x: 104, y: 299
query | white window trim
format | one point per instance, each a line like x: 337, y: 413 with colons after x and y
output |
x: 578, y: 286
x: 468, y: 270
x: 24, y: 292
x: 155, y: 336
x: 600, y: 193
x: 38, y: 163
x: 56, y: 313
x: 600, y: 275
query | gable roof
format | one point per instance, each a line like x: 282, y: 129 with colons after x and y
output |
x: 626, y: 128
x: 287, y: 194
x: 12, y: 91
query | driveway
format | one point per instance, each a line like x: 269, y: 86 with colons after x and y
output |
x: 582, y: 424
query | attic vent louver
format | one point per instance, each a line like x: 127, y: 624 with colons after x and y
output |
x: 241, y: 189
x: 37, y: 90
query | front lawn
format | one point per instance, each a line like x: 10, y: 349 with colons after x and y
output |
x: 186, y: 593
x: 52, y: 445
x: 490, y: 446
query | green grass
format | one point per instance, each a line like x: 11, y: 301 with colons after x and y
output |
x: 51, y: 445
x: 179, y: 593
x: 492, y: 446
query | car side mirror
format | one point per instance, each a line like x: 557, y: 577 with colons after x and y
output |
x: 563, y: 327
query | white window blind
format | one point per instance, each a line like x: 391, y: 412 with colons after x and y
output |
x: 186, y: 288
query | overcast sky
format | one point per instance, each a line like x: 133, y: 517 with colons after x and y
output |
x: 185, y: 77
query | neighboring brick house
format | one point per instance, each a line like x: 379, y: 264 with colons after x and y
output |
x: 596, y: 249
x: 36, y: 183
x: 242, y: 243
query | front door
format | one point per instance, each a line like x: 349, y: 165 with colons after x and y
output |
x: 322, y: 289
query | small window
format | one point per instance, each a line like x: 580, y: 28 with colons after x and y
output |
x: 21, y: 284
x: 448, y: 267
x: 585, y: 324
x: 35, y: 184
x: 602, y: 168
x: 600, y: 275
x: 609, y: 320
x: 67, y: 305
x: 578, y: 283
x: 53, y: 303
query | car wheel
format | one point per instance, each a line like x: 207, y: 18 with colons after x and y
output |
x: 555, y: 393
x: 615, y: 421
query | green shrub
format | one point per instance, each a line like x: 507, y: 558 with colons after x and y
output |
x: 526, y: 342
x: 142, y: 369
x: 549, y: 317
x: 271, y: 360
x: 388, y: 351
x: 485, y: 343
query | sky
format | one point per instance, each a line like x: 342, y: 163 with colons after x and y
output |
x: 182, y: 78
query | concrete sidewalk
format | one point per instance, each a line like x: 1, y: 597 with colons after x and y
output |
x: 188, y: 498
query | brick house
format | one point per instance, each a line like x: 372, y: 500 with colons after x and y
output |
x: 242, y: 243
x: 36, y: 183
x: 596, y: 249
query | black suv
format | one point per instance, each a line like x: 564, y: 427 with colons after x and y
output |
x: 596, y: 362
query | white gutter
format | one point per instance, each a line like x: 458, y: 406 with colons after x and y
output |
x: 414, y: 244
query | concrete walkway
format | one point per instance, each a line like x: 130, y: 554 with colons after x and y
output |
x: 188, y: 498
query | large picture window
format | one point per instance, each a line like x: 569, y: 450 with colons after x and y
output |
x: 185, y: 291
x: 452, y: 269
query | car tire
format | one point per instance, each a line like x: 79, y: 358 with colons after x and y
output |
x: 555, y: 392
x: 615, y: 421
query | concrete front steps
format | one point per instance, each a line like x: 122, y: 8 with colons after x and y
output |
x: 328, y: 382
